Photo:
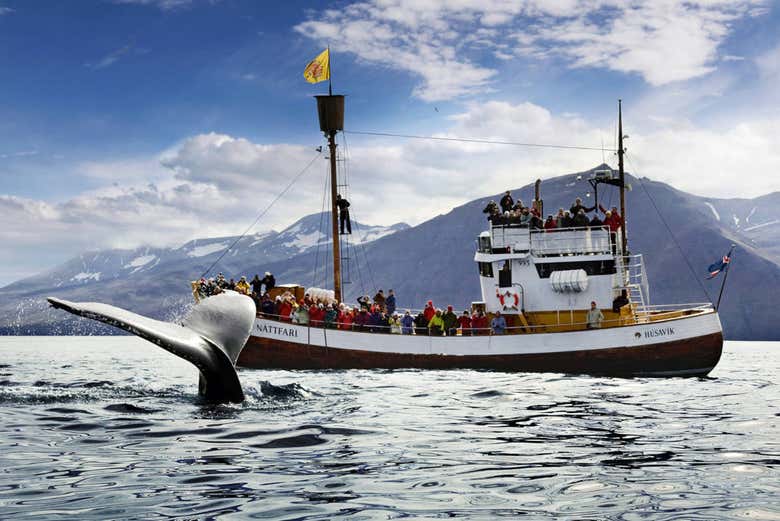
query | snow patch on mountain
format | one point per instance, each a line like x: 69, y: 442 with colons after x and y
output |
x: 206, y: 249
x: 141, y: 261
x: 714, y: 211
x: 85, y: 276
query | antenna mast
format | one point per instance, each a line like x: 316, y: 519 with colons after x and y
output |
x: 622, y: 173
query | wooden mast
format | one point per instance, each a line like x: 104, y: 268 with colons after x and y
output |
x: 334, y: 218
x: 621, y: 151
x: 330, y: 110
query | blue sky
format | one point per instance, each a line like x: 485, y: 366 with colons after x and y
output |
x: 156, y: 121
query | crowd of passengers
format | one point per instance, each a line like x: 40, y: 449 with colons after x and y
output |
x: 214, y: 286
x: 509, y: 211
x: 379, y: 315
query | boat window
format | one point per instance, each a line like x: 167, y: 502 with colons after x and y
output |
x: 505, y: 275
x: 486, y: 269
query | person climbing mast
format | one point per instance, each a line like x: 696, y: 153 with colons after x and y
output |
x: 343, y: 205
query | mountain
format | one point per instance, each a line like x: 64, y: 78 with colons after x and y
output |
x: 155, y: 281
x: 434, y: 260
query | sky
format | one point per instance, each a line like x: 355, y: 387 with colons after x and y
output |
x: 153, y: 122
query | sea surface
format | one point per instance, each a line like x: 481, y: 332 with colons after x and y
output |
x: 111, y: 428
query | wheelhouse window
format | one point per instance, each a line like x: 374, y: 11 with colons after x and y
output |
x: 486, y: 269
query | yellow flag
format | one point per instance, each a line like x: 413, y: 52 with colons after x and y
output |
x: 319, y: 68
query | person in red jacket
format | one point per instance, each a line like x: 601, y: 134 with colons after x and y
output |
x: 316, y: 315
x: 549, y: 224
x: 285, y: 308
x: 612, y: 218
x: 464, y: 321
x: 429, y: 311
x: 479, y: 323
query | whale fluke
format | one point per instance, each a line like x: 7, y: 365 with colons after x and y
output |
x: 211, y: 337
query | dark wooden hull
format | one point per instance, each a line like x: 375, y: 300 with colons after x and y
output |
x: 687, y: 357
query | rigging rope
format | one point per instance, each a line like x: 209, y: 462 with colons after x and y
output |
x: 669, y: 229
x: 472, y: 140
x: 322, y: 217
x: 262, y: 214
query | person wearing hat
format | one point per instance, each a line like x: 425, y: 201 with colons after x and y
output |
x: 407, y: 323
x: 268, y: 281
x: 450, y: 322
x: 242, y: 286
x: 429, y: 311
x: 507, y: 202
x: 436, y: 324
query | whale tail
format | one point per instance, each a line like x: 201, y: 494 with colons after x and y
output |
x: 211, y: 337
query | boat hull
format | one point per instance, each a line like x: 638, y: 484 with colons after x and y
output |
x: 688, y: 347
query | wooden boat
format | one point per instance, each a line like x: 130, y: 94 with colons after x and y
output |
x: 543, y: 283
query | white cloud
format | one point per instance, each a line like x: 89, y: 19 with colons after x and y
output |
x: 441, y: 41
x: 5, y: 10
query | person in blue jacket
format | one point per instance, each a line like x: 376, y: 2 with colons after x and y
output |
x: 390, y: 303
x: 498, y: 324
x: 407, y: 323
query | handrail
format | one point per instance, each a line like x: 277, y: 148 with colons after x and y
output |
x: 700, y: 307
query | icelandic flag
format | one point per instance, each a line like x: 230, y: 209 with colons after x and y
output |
x: 719, y: 266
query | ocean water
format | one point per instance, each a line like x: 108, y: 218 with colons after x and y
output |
x: 111, y: 428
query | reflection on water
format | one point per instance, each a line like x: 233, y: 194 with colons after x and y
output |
x: 111, y: 428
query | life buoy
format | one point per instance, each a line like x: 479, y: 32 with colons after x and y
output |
x: 502, y: 299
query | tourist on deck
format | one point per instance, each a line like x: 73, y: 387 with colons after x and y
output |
x: 620, y: 301
x: 536, y: 208
x: 203, y: 288
x: 491, y: 208
x: 595, y: 317
x: 316, y: 315
x: 331, y: 316
x: 580, y: 220
x: 464, y: 321
x: 395, y: 324
x: 612, y: 218
x: 379, y: 299
x: 221, y: 282
x: 343, y: 206
x: 506, y: 202
x: 420, y: 324
x: 301, y: 315
x: 525, y: 216
x: 450, y: 321
x: 242, y: 286
x: 549, y: 224
x: 390, y: 302
x: 559, y: 218
x: 567, y: 221
x: 364, y: 302
x: 360, y: 322
x: 436, y: 324
x: 257, y: 285
x: 232, y: 284
x: 344, y: 321
x: 429, y: 311
x: 536, y: 223
x: 596, y: 222
x: 267, y: 306
x: 479, y: 323
x: 285, y: 309
x: 498, y: 324
x: 268, y: 281
x: 577, y: 206
x: 407, y: 323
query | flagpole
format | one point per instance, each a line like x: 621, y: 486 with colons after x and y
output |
x: 725, y: 276
x: 330, y: 75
